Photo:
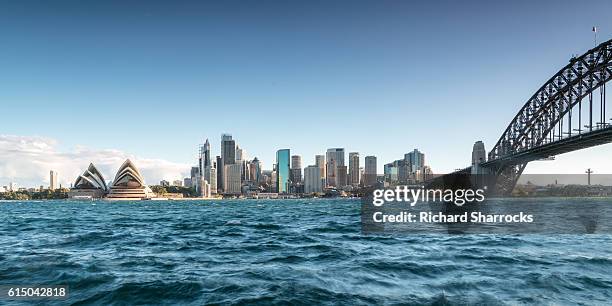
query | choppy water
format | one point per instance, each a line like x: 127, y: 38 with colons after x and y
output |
x: 284, y: 251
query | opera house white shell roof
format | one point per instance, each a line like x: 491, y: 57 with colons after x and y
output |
x: 91, y: 179
x: 129, y: 184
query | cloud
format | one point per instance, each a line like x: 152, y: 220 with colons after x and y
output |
x: 27, y: 160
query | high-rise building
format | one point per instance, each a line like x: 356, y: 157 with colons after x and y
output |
x: 296, y: 169
x: 312, y: 179
x: 370, y: 171
x: 282, y: 170
x: 255, y: 170
x: 219, y: 167
x: 335, y: 158
x: 416, y: 159
x: 204, y: 158
x: 341, y: 176
x: 211, y: 177
x: 52, y: 180
x: 232, y: 182
x: 353, y: 169
x: 479, y: 154
x: 187, y: 182
x: 320, y: 162
x: 195, y: 177
x: 228, y: 155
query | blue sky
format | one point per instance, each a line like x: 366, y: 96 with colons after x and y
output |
x: 155, y: 79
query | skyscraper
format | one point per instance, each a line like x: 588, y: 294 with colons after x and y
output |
x: 341, y: 176
x: 219, y: 167
x: 255, y: 170
x: 370, y: 171
x: 320, y: 162
x: 416, y: 159
x: 204, y: 159
x: 354, y: 169
x: 312, y: 179
x: 207, y: 169
x: 296, y: 169
x: 52, y: 180
x: 228, y: 155
x: 335, y: 158
x: 232, y: 179
x: 282, y: 170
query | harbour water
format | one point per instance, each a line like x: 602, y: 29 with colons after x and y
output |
x: 309, y: 251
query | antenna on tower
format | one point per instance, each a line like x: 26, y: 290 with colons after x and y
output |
x: 595, y: 33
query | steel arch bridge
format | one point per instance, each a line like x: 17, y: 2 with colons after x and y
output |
x: 567, y: 113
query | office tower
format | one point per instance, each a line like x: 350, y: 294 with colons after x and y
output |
x: 255, y: 170
x: 341, y: 176
x: 52, y: 180
x: 187, y: 182
x: 195, y: 177
x: 479, y: 154
x: 228, y: 155
x: 404, y: 171
x: 164, y: 183
x: 219, y: 167
x: 312, y: 179
x: 335, y: 158
x: 353, y: 169
x: 416, y: 159
x: 232, y: 184
x: 361, y: 176
x: 391, y: 173
x: 320, y: 162
x: 296, y: 169
x: 204, y: 186
x: 282, y: 170
x: 211, y: 178
x: 177, y: 183
x: 370, y: 171
x: 204, y: 158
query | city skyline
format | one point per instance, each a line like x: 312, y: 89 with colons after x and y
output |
x: 353, y: 68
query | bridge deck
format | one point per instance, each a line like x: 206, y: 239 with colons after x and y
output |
x: 568, y: 144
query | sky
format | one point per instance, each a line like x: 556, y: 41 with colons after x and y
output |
x: 102, y: 81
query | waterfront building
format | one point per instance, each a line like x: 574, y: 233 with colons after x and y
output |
x: 195, y: 177
x: 177, y: 183
x: 282, y: 170
x: 312, y: 180
x: 187, y: 182
x: 232, y: 184
x: 391, y: 173
x: 404, y: 171
x: 129, y: 184
x: 353, y: 169
x: 479, y: 154
x: 370, y: 171
x: 228, y: 155
x: 164, y: 183
x: 211, y: 177
x: 416, y: 159
x: 255, y: 170
x: 52, y: 180
x: 335, y: 159
x: 204, y: 158
x: 90, y: 184
x: 296, y: 169
x: 219, y: 167
x: 320, y: 162
x: 341, y: 176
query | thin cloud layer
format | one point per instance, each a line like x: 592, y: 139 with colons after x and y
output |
x: 27, y: 160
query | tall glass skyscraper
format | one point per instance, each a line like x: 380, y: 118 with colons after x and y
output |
x: 283, y: 159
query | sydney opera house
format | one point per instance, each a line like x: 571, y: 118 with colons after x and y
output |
x: 127, y: 185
